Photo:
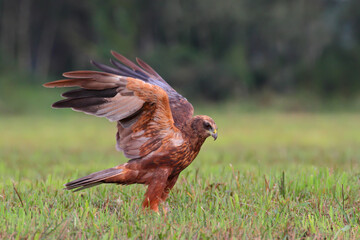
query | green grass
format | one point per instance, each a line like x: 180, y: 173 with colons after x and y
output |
x: 269, y: 175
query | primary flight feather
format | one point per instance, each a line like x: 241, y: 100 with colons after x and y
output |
x: 156, y: 127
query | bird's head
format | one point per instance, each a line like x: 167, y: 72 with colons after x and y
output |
x: 204, y: 126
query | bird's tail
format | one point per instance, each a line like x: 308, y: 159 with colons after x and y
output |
x: 119, y: 174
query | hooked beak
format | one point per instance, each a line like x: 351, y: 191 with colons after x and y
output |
x: 214, y: 134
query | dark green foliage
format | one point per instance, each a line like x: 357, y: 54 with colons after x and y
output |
x: 206, y: 48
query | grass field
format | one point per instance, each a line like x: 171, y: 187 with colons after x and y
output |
x: 269, y: 175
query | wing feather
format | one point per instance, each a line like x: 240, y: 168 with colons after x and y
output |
x: 181, y: 109
x: 128, y: 72
x: 128, y: 63
x: 142, y: 110
x: 149, y: 69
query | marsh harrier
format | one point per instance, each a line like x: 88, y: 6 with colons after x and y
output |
x: 156, y: 128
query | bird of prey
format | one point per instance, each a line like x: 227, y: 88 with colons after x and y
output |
x: 156, y: 128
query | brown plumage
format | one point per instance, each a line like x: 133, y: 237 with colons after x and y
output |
x: 156, y: 127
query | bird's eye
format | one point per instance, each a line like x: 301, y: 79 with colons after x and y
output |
x: 207, y: 125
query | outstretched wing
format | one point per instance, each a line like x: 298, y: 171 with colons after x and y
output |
x: 141, y: 109
x: 181, y: 109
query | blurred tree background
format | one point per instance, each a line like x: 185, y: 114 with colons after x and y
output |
x: 207, y: 49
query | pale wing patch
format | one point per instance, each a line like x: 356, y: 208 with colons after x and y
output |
x: 117, y: 108
x: 177, y: 139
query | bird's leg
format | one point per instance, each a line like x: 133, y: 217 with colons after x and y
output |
x: 169, y: 185
x: 153, y: 195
